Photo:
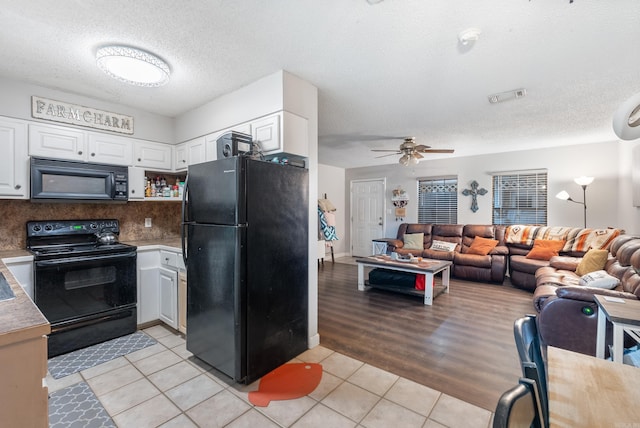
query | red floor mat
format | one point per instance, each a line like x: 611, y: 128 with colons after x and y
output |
x: 287, y: 382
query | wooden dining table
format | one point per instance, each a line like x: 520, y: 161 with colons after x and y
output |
x: 586, y: 391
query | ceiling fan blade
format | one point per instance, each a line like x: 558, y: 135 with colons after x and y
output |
x: 384, y: 156
x: 437, y: 151
x: 421, y: 148
x: 418, y: 155
x: 385, y: 150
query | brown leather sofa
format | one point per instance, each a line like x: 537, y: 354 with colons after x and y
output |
x: 567, y: 312
x: 475, y: 267
x: 522, y: 270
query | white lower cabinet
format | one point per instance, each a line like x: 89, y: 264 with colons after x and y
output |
x: 158, y: 271
x: 169, y: 297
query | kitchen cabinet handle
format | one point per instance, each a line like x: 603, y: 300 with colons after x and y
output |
x: 93, y: 154
x: 79, y: 152
x: 139, y: 160
x: 18, y: 186
x: 133, y: 191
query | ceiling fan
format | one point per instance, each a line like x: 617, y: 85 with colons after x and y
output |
x: 411, y: 152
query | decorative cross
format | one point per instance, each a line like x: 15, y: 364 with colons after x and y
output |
x: 474, y: 192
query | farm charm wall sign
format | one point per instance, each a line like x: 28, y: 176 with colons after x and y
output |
x: 59, y: 111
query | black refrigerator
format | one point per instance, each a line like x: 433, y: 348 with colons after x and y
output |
x: 245, y: 243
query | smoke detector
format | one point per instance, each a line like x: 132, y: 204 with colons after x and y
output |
x: 469, y: 35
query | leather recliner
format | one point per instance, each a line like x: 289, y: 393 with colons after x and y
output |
x: 567, y: 312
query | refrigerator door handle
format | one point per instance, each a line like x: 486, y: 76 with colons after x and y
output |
x: 183, y: 230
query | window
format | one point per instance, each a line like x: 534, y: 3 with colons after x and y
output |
x: 520, y: 198
x: 438, y: 200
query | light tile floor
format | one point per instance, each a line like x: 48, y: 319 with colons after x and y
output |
x: 165, y: 386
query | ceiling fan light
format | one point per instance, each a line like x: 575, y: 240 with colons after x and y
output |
x: 404, y: 160
x: 413, y: 160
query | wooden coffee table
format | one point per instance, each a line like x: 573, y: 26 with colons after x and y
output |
x: 426, y: 267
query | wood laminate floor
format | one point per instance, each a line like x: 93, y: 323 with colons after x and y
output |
x: 463, y: 345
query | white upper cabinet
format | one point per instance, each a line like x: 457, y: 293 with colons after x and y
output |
x: 283, y: 132
x: 266, y: 132
x: 72, y: 144
x: 180, y: 161
x: 136, y: 183
x: 110, y: 149
x: 190, y: 153
x: 57, y: 142
x: 155, y: 156
x: 14, y: 162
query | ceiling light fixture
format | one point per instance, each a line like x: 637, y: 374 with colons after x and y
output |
x: 133, y: 66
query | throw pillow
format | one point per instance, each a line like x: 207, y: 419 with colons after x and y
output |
x: 599, y: 279
x: 544, y: 249
x: 443, y: 245
x: 482, y: 246
x: 413, y: 241
x: 592, y: 261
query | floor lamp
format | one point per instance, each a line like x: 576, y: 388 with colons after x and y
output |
x: 583, y: 182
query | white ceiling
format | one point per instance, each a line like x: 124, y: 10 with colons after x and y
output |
x: 395, y: 68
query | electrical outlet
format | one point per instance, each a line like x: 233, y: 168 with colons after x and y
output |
x: 147, y: 222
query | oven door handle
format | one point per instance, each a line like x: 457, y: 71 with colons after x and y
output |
x: 70, y: 260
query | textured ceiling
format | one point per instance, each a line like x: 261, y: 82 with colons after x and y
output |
x: 395, y: 68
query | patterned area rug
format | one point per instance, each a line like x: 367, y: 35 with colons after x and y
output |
x: 64, y: 365
x: 77, y: 406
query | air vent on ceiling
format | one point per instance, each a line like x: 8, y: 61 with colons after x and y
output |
x: 509, y: 95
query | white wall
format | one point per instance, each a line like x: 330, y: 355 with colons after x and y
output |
x: 16, y: 102
x: 260, y: 98
x: 331, y: 183
x: 609, y: 197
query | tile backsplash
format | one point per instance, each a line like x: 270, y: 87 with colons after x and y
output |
x: 165, y: 217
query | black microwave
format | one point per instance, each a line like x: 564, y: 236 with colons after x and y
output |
x: 58, y: 180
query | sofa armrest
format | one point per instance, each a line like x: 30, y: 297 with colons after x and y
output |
x: 394, y: 243
x: 500, y: 250
x: 585, y: 294
x: 569, y: 324
x: 565, y: 262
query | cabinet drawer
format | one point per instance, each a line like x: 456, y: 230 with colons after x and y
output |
x: 169, y: 258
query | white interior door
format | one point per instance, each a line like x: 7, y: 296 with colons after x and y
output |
x: 367, y: 215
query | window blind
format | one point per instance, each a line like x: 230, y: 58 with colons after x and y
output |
x: 520, y: 198
x: 438, y: 200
